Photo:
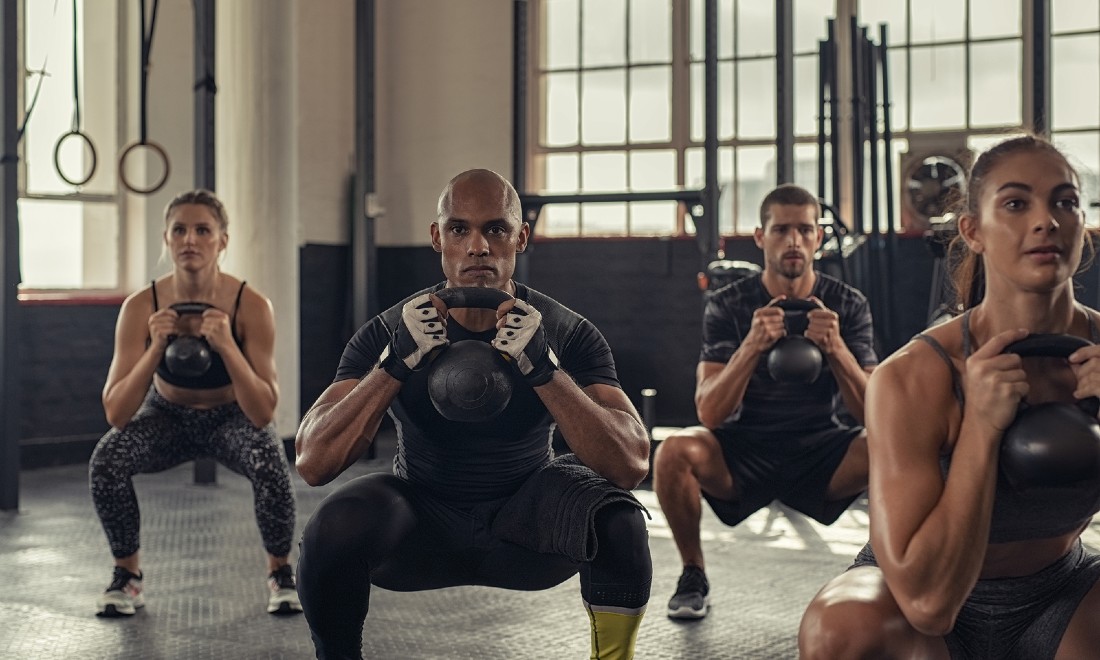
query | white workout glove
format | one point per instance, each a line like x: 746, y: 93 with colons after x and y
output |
x: 418, y: 333
x: 523, y: 339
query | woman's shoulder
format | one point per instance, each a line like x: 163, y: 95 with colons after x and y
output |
x: 925, y: 363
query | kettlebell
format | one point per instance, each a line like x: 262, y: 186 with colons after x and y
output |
x: 187, y: 355
x: 1054, y: 443
x: 470, y: 381
x: 793, y: 358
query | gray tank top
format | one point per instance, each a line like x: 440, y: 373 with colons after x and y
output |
x: 1034, y: 513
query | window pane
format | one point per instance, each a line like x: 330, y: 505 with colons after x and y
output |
x: 1067, y: 15
x: 49, y: 45
x: 603, y: 98
x: 809, y: 23
x: 938, y: 87
x: 805, y: 95
x: 1075, y: 81
x: 68, y: 245
x: 891, y: 12
x: 653, y: 218
x: 562, y: 173
x: 755, y: 28
x: 756, y: 99
x: 899, y: 92
x: 650, y: 104
x: 805, y: 166
x: 755, y: 178
x: 602, y: 172
x: 560, y: 120
x: 560, y: 220
x: 725, y: 101
x: 695, y: 166
x: 697, y: 36
x: 938, y: 20
x: 603, y: 219
x: 560, y: 43
x: 653, y: 170
x: 725, y: 28
x: 1083, y: 152
x: 698, y: 121
x: 604, y: 30
x: 994, y: 18
x: 995, y: 74
x: 650, y: 31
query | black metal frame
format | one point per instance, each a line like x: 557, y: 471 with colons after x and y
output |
x: 10, y: 363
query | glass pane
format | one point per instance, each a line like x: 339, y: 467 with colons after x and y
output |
x: 560, y: 120
x: 725, y: 101
x: 994, y: 18
x: 1083, y: 152
x: 938, y: 99
x: 560, y: 42
x: 995, y: 75
x: 1073, y: 15
x: 603, y: 172
x: 1075, y: 81
x: 49, y: 45
x: 650, y: 31
x: 68, y: 245
x: 805, y: 166
x: 898, y: 147
x: 651, y: 104
x: 756, y: 99
x: 755, y: 178
x: 755, y: 28
x: 725, y: 28
x: 873, y: 13
x: 603, y: 219
x: 653, y: 170
x: 603, y: 29
x: 938, y: 20
x: 698, y: 109
x: 562, y: 173
x: 653, y: 218
x: 697, y: 36
x: 694, y: 175
x: 560, y: 220
x: 603, y: 107
x: 899, y: 92
x: 806, y: 95
x: 979, y: 143
x: 809, y: 23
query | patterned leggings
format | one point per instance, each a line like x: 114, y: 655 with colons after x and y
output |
x: 162, y: 435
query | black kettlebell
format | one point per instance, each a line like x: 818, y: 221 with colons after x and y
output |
x: 793, y: 358
x: 1054, y: 443
x: 470, y: 381
x: 187, y: 355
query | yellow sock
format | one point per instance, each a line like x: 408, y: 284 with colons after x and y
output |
x: 613, y: 634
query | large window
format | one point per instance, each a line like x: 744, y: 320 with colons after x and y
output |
x: 619, y: 97
x: 69, y: 234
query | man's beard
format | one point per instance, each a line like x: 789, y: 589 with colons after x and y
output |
x: 792, y: 272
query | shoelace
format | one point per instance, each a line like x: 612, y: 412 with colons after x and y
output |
x: 283, y: 578
x: 692, y: 581
x: 121, y: 578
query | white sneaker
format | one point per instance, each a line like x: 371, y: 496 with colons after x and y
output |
x: 284, y: 592
x: 123, y: 596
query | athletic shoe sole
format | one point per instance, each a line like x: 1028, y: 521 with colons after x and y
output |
x: 689, y: 613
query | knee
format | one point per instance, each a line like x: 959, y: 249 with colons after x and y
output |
x: 676, y: 454
x: 104, y: 464
x: 357, y: 517
x: 845, y: 629
x: 622, y: 538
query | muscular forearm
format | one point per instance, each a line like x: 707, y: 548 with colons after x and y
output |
x: 122, y: 399
x: 612, y: 442
x: 943, y: 560
x: 717, y: 396
x: 851, y: 378
x: 334, y: 434
x: 256, y: 396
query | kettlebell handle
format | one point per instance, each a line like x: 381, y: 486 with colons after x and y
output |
x: 1056, y: 346
x: 797, y: 305
x: 182, y: 308
x: 472, y: 297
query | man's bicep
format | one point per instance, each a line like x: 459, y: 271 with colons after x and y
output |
x: 610, y: 396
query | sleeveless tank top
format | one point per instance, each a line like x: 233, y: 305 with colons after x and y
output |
x: 1034, y: 513
x: 217, y: 375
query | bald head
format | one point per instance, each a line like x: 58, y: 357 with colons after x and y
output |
x: 483, y: 183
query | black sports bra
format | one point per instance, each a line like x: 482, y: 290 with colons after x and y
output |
x: 1035, y: 513
x: 217, y: 375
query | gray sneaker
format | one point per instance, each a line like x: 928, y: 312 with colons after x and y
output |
x: 690, y: 600
x: 284, y: 592
x: 123, y: 596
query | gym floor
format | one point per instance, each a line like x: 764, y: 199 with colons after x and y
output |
x: 206, y: 591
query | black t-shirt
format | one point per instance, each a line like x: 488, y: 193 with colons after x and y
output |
x: 785, y: 407
x: 480, y: 461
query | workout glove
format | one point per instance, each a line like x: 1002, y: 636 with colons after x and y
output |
x: 524, y: 340
x: 419, y: 331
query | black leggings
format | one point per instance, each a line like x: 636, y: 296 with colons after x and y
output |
x: 162, y: 435
x: 378, y: 529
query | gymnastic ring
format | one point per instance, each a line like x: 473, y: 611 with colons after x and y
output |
x: 122, y: 170
x: 57, y: 158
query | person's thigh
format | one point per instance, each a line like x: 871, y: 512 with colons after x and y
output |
x: 1082, y: 635
x: 150, y: 442
x: 850, y: 478
x: 699, y: 448
x: 855, y: 616
x: 509, y: 566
